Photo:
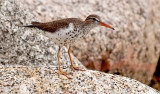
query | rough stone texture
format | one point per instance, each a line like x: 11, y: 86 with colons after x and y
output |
x: 131, y: 50
x: 44, y: 80
x: 28, y: 62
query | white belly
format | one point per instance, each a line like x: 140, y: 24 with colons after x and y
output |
x: 65, y: 36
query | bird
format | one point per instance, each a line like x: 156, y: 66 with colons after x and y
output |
x: 65, y: 32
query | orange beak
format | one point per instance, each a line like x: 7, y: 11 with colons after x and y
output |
x: 103, y: 24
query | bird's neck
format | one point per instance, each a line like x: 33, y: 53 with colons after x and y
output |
x: 87, y: 25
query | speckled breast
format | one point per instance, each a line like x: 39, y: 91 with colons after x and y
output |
x: 66, y: 36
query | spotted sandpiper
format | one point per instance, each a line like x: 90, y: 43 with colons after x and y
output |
x: 67, y: 31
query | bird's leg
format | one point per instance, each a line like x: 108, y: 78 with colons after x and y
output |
x: 59, y: 66
x: 73, y: 67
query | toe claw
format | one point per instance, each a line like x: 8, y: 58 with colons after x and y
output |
x: 76, y: 68
x: 64, y: 73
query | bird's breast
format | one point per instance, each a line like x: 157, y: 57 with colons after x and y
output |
x: 67, y: 35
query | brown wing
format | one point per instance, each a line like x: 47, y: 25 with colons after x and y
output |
x: 55, y: 25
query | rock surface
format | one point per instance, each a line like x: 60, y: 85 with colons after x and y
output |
x: 131, y: 50
x: 41, y: 80
x: 28, y: 62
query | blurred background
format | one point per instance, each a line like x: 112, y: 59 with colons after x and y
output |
x: 131, y: 50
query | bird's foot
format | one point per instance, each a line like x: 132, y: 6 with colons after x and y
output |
x: 63, y: 73
x: 76, y: 68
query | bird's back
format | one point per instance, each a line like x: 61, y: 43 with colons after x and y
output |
x: 55, y: 25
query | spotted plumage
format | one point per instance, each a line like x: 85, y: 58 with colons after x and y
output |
x: 68, y: 31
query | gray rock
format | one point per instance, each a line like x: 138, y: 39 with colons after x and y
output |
x: 29, y: 64
x: 44, y: 80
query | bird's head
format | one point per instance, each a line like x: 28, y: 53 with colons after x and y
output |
x: 94, y: 20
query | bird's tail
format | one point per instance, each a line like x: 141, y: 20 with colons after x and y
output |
x: 33, y: 24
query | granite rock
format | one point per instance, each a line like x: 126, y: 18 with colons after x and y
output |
x: 44, y: 80
x: 28, y: 62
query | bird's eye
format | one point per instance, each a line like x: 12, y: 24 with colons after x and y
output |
x: 94, y: 19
